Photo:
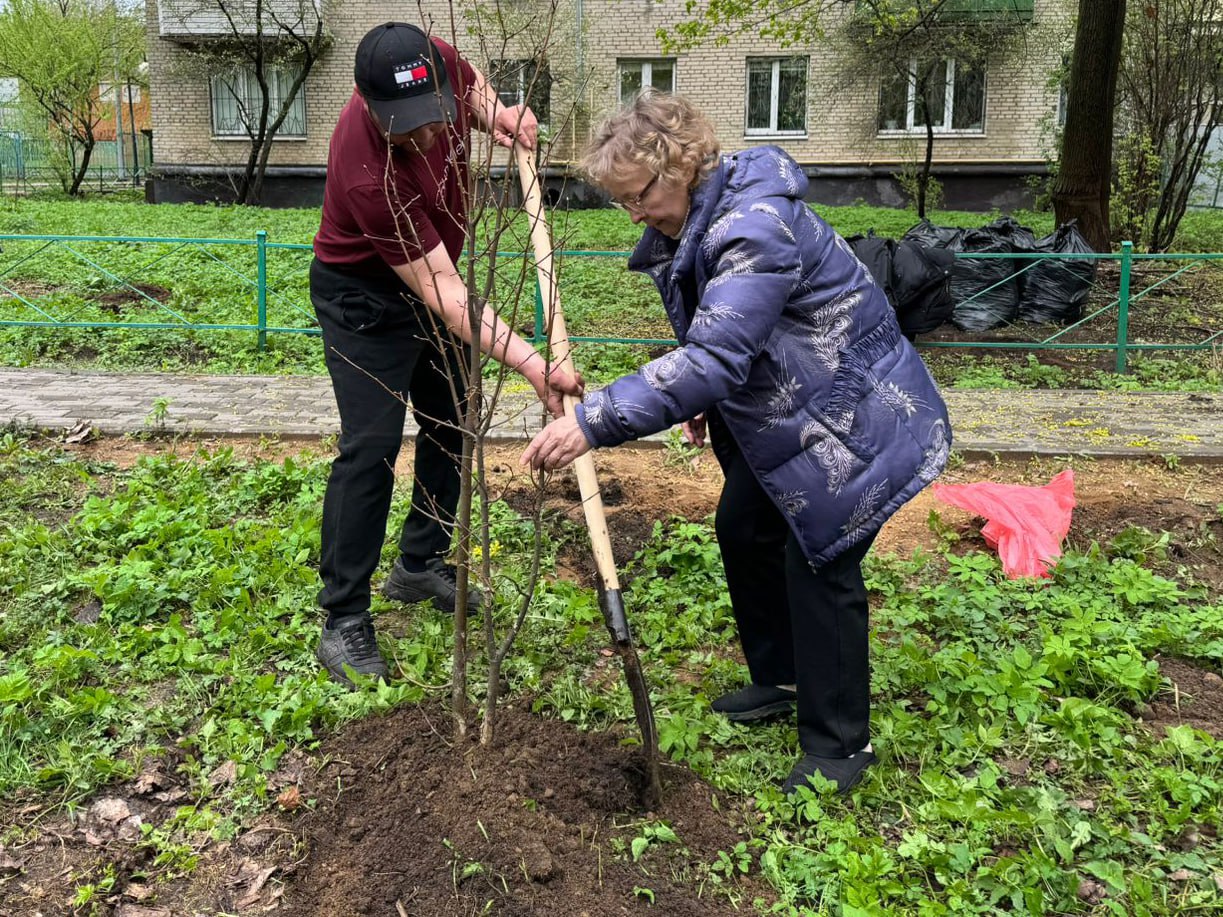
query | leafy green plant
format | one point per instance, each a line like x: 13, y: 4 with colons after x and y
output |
x: 85, y: 900
x: 737, y: 860
x: 651, y: 834
x: 679, y: 452
x: 1004, y: 710
x: 155, y: 420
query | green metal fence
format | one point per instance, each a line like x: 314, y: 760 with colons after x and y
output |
x: 26, y: 162
x: 1120, y: 306
x: 261, y: 287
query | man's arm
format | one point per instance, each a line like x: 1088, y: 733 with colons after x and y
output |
x: 434, y: 279
x: 516, y: 123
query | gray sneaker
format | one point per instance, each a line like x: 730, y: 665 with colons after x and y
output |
x: 437, y: 582
x: 349, y: 647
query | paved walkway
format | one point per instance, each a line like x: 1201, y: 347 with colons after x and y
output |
x: 1132, y: 424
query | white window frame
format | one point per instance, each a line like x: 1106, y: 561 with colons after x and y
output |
x: 280, y: 75
x: 130, y: 93
x: 646, y: 66
x: 948, y: 106
x: 774, y: 96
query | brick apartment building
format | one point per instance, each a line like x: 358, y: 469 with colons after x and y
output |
x: 851, y: 132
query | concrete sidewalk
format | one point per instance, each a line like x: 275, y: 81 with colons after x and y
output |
x: 1044, y: 422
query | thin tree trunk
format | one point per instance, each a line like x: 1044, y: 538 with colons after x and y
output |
x: 923, y: 180
x: 248, y: 173
x: 462, y: 656
x: 1084, y: 176
x: 261, y: 169
x: 78, y: 177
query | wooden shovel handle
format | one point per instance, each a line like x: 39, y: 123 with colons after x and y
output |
x: 558, y: 342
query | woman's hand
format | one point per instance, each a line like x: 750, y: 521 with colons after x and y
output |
x: 556, y: 445
x: 694, y: 430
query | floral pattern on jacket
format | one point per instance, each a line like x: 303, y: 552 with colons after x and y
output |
x: 784, y: 331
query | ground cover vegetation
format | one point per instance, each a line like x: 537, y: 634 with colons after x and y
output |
x: 1046, y: 747
x: 215, y: 284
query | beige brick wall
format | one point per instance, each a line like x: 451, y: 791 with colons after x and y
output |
x: 841, y: 112
x: 841, y: 116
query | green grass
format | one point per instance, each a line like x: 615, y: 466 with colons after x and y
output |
x: 1011, y: 767
x: 214, y: 285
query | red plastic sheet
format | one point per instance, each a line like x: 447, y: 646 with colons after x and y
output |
x: 1026, y: 525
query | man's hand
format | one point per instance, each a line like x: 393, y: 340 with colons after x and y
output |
x: 515, y: 124
x: 694, y: 430
x: 553, y: 385
x: 556, y: 445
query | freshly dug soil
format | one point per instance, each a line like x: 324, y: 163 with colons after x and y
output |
x: 409, y: 822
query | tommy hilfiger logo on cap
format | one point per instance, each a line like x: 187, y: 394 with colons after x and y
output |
x: 413, y: 74
x: 400, y: 73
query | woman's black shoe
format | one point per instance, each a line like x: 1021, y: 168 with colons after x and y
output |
x: 754, y: 703
x: 843, y: 772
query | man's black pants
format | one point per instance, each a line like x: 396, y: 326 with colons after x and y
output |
x: 799, y: 626
x: 381, y: 348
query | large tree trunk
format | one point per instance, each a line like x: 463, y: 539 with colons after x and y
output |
x: 1084, y: 174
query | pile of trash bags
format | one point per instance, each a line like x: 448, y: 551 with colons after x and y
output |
x: 927, y: 284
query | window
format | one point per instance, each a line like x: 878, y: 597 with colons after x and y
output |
x: 236, y: 101
x: 953, y: 93
x: 127, y: 93
x: 635, y: 75
x: 777, y: 95
x: 521, y: 82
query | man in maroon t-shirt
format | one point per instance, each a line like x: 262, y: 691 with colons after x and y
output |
x: 393, y: 313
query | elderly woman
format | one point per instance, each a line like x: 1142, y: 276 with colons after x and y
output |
x: 823, y: 417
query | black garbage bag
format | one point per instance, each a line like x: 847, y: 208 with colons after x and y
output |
x: 1020, y: 238
x: 916, y: 279
x: 875, y: 252
x: 1055, y: 289
x: 921, y: 281
x: 927, y: 233
x: 985, y: 290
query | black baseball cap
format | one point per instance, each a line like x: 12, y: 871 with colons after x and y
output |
x: 400, y: 74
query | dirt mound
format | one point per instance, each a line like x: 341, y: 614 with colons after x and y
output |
x: 410, y: 822
x: 1192, y: 697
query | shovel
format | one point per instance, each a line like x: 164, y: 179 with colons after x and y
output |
x: 611, y: 601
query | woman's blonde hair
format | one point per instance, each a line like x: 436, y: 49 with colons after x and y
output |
x: 663, y: 132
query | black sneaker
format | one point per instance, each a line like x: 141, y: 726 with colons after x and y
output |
x: 843, y: 772
x: 350, y: 646
x: 438, y: 582
x: 754, y: 703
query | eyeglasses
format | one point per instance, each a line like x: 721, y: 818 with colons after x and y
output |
x: 635, y: 203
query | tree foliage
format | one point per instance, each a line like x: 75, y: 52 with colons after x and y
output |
x: 60, y: 51
x: 1170, y: 103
